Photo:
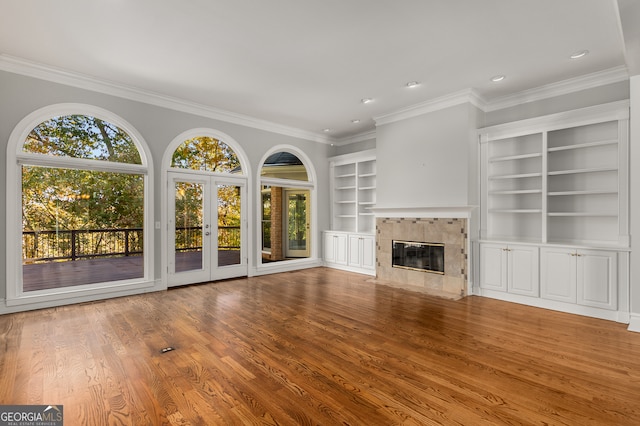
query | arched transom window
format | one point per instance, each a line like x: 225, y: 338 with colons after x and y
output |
x: 206, y: 153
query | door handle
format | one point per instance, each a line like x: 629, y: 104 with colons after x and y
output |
x: 207, y: 233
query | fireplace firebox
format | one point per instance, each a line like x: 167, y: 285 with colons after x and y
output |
x: 418, y: 256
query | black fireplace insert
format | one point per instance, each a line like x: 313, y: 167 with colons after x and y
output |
x: 418, y: 256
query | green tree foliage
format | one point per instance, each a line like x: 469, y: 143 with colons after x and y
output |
x: 207, y: 154
x: 65, y: 199
x: 82, y: 136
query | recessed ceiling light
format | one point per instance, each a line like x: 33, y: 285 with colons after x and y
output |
x: 497, y: 78
x: 355, y: 121
x: 326, y: 130
x: 366, y: 100
x: 579, y: 54
x: 413, y: 84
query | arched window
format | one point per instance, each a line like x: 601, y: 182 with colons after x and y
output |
x: 206, y: 206
x: 206, y: 153
x: 82, y: 200
x: 286, y: 193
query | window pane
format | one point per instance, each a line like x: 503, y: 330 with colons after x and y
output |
x: 207, y: 154
x: 284, y: 165
x: 229, y: 220
x: 188, y: 234
x: 80, y: 227
x: 82, y: 136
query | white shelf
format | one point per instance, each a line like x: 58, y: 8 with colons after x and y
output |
x: 588, y: 192
x: 349, y: 175
x: 366, y: 188
x: 516, y: 192
x: 515, y: 157
x: 516, y: 176
x: 515, y: 211
x: 343, y: 188
x: 578, y: 171
x: 364, y: 175
x: 583, y: 145
x: 581, y: 214
x: 352, y: 216
x: 345, y: 202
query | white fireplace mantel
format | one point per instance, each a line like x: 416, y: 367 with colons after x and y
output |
x: 424, y: 212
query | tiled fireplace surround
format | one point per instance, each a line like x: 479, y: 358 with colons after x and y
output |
x: 452, y: 231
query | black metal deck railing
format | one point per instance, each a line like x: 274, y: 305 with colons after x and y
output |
x: 75, y: 244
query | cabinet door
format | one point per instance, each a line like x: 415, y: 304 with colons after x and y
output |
x: 597, y: 279
x: 341, y: 249
x: 558, y: 274
x: 493, y: 267
x: 369, y: 252
x: 523, y: 270
x: 354, y: 250
x: 329, y: 247
x: 335, y: 248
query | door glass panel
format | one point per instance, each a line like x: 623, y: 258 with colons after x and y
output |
x: 297, y: 221
x: 229, y: 209
x: 188, y: 234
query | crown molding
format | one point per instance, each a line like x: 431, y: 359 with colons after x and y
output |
x: 446, y: 101
x: 57, y: 75
x: 364, y: 136
x: 564, y: 87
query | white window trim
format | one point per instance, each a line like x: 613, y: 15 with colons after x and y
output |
x: 245, y: 177
x: 310, y: 184
x: 16, y: 299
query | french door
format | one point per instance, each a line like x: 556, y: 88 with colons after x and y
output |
x: 297, y: 223
x: 206, y: 226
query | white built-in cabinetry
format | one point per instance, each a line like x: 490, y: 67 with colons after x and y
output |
x: 554, y: 211
x: 353, y: 194
x: 510, y: 267
x: 350, y: 251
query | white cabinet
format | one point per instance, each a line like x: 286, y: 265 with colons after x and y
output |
x: 353, y: 192
x: 560, y: 184
x: 558, y: 274
x: 362, y: 252
x: 512, y: 268
x: 350, y: 251
x: 585, y: 277
x: 335, y: 248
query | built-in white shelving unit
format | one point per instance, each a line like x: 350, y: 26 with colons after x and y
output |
x: 353, y: 194
x: 557, y: 186
x: 353, y: 181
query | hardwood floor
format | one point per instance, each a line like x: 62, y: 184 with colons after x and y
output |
x: 318, y: 347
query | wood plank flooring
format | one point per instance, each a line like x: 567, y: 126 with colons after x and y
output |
x: 318, y: 347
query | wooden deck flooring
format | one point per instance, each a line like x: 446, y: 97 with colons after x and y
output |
x: 53, y: 275
x: 319, y: 347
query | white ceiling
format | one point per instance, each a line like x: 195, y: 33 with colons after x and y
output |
x: 307, y: 64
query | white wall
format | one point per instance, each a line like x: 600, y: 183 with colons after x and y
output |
x: 425, y: 161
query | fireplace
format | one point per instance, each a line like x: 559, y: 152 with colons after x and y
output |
x: 418, y: 256
x: 419, y: 229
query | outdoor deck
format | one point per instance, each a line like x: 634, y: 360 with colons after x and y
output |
x: 44, y: 276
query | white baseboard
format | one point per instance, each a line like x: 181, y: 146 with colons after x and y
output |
x: 347, y: 268
x: 61, y: 299
x: 634, y: 323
